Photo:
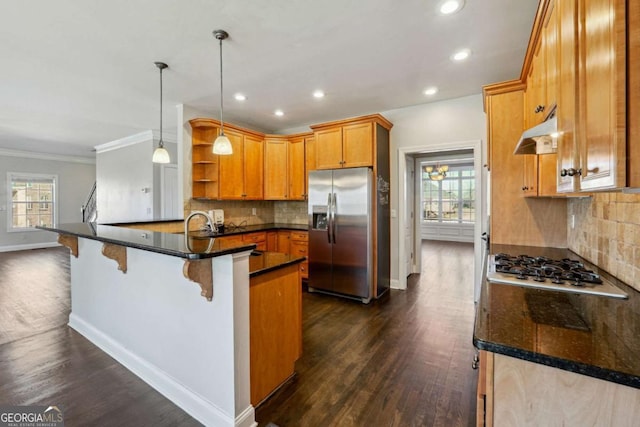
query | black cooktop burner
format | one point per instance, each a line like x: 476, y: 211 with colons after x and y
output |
x: 542, y: 269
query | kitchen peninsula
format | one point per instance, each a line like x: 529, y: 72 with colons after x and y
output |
x: 178, y: 310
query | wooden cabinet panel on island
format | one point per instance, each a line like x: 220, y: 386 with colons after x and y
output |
x: 517, y: 392
x: 275, y: 318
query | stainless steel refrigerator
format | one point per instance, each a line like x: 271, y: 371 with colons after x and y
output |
x: 340, y: 232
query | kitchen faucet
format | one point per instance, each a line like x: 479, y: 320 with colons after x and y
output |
x: 210, y: 225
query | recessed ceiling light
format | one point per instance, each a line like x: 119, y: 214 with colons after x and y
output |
x: 240, y: 97
x: 318, y: 94
x: 461, y: 55
x: 448, y: 7
x: 431, y: 91
x: 279, y: 113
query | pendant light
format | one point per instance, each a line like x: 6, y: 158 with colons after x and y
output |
x: 437, y: 173
x: 221, y: 145
x: 161, y: 155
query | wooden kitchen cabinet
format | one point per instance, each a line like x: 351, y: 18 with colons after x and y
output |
x: 259, y: 238
x: 593, y: 151
x: 285, y: 168
x: 517, y: 392
x: 241, y: 173
x: 275, y: 322
x: 238, y: 176
x: 310, y: 158
x: 539, y: 172
x: 296, y: 169
x: 330, y: 155
x: 348, y: 143
x: 275, y: 168
x: 300, y: 247
x: 283, y: 241
x: 272, y: 241
x: 204, y: 165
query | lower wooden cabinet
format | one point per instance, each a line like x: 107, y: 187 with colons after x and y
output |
x: 515, y: 392
x: 259, y: 238
x: 275, y: 321
x: 300, y: 246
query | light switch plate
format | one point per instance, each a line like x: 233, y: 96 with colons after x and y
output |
x: 393, y: 213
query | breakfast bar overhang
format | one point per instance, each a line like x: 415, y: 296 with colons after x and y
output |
x: 175, y: 315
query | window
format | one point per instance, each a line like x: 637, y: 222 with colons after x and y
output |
x: 29, y: 191
x: 451, y: 200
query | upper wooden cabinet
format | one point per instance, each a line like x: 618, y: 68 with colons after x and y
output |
x: 238, y: 176
x: 275, y: 168
x: 285, y: 167
x: 592, y: 148
x: 347, y: 143
x: 296, y: 168
x: 602, y: 87
x: 204, y: 163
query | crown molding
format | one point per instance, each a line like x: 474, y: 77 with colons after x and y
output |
x: 145, y: 136
x: 47, y: 156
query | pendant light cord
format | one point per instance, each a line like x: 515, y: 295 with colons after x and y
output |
x: 221, y: 109
x: 161, y: 143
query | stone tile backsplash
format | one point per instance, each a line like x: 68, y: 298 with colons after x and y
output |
x: 607, y: 233
x: 240, y: 211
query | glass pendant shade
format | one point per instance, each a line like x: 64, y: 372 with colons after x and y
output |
x: 161, y: 155
x: 437, y: 173
x: 222, y: 145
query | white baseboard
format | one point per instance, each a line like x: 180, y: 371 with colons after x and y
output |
x: 395, y: 284
x: 28, y: 246
x: 192, y: 403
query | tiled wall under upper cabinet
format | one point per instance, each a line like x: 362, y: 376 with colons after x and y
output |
x: 607, y: 233
x: 240, y: 211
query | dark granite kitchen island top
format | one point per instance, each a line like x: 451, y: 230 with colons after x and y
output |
x: 591, y: 335
x: 153, y: 241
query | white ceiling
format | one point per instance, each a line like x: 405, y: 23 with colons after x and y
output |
x: 78, y: 73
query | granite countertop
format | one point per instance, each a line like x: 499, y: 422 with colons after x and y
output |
x: 164, y: 243
x: 264, y: 262
x: 230, y: 228
x: 590, y: 335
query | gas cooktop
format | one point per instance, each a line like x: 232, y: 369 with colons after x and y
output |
x: 565, y: 275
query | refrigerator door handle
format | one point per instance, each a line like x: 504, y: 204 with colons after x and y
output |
x: 329, y: 217
x: 333, y: 217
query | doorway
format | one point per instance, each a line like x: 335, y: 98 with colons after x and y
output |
x: 409, y: 220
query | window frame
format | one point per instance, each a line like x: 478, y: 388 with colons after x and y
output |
x: 53, y: 203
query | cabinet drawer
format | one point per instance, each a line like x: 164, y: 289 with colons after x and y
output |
x: 302, y: 236
x: 304, y: 270
x: 299, y: 250
x: 255, y: 237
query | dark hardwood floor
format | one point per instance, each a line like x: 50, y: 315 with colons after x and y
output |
x: 404, y: 361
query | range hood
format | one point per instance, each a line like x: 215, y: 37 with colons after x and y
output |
x: 540, y: 139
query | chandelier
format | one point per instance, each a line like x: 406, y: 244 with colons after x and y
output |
x: 437, y: 172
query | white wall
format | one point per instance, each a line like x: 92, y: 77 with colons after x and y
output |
x: 75, y: 178
x: 421, y: 126
x: 128, y: 182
